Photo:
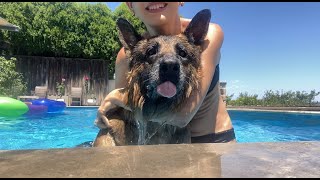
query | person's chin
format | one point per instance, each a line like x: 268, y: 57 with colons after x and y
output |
x: 157, y: 20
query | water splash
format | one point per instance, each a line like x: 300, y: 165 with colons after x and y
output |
x: 150, y: 136
x: 142, y: 128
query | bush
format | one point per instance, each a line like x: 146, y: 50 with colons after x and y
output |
x: 11, y: 82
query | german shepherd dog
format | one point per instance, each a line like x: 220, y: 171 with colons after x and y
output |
x: 163, y: 71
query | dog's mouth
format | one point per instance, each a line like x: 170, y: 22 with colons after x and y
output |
x: 167, y: 89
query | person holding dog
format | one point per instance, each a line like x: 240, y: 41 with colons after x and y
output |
x: 204, y: 112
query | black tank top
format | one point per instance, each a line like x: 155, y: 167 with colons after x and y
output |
x: 215, y: 79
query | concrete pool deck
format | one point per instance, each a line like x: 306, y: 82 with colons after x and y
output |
x: 281, y: 159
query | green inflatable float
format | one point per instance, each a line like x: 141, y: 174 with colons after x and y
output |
x: 12, y: 107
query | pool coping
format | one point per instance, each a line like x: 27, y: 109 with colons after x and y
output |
x: 276, y: 159
x: 277, y: 109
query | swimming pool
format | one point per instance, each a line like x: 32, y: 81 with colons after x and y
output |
x: 75, y: 126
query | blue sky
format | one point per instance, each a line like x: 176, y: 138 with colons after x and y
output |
x: 267, y: 45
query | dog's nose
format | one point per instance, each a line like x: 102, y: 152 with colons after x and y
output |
x: 169, y: 67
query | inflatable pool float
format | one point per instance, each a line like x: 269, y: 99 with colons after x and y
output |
x: 36, y: 109
x: 12, y: 107
x: 52, y: 105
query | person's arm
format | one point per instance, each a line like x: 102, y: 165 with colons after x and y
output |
x: 209, y: 58
x: 115, y: 98
x: 121, y: 69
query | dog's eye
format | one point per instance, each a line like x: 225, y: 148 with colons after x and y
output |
x: 182, y: 53
x: 151, y: 51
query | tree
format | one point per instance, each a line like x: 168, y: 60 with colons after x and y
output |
x: 277, y: 98
x: 311, y: 96
x: 61, y: 29
x: 229, y: 98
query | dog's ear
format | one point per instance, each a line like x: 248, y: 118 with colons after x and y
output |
x: 127, y: 34
x: 198, y: 27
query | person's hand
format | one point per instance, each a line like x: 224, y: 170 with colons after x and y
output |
x: 116, y: 98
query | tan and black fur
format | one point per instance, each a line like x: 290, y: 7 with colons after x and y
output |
x: 153, y: 61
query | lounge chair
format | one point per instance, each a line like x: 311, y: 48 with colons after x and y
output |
x: 41, y: 91
x: 75, y: 96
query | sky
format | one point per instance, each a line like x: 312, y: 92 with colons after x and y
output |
x: 267, y: 45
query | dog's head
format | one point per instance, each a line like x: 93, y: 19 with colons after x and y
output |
x: 163, y: 69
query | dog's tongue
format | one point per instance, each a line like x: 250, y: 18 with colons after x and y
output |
x: 167, y: 89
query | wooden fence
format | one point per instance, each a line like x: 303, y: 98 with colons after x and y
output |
x: 47, y: 71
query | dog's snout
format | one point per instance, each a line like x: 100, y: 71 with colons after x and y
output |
x: 169, y: 70
x: 169, y: 67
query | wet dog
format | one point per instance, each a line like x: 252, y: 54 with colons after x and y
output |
x: 164, y: 70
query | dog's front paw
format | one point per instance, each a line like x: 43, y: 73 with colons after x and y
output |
x: 98, y: 122
x: 113, y: 135
x: 102, y: 121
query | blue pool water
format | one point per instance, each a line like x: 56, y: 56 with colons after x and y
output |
x: 75, y: 126
x: 258, y: 126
